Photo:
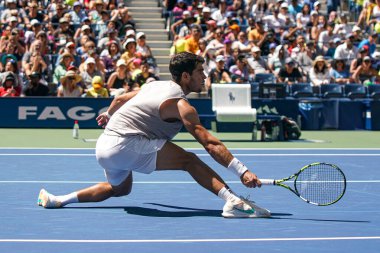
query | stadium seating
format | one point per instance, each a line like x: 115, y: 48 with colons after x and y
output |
x: 301, y: 90
x: 374, y: 91
x: 331, y: 91
x: 354, y: 91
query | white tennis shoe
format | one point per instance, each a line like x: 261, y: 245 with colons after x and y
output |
x: 47, y: 200
x: 244, y: 209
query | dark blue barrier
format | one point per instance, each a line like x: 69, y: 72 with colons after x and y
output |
x: 55, y: 112
x: 375, y: 114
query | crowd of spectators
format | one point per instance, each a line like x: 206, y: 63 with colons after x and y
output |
x: 287, y: 41
x: 90, y: 48
x: 87, y: 48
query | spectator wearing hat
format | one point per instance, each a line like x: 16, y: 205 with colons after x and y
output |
x: 130, y: 53
x: 192, y: 43
x: 77, y: 13
x: 10, y: 65
x: 95, y: 14
x: 218, y: 74
x: 35, y: 88
x: 61, y: 69
x: 317, y: 6
x: 30, y: 35
x: 69, y: 85
x: 284, y: 14
x: 142, y: 77
x: 232, y: 32
x: 102, y: 27
x: 85, y: 30
x: 142, y: 47
x: 11, y: 44
x: 205, y: 18
x: 10, y: 10
x: 332, y: 48
x: 63, y: 32
x: 182, y: 27
x: 320, y: 72
x: 9, y: 86
x: 346, y: 50
x: 370, y: 42
x: 97, y: 90
x: 257, y: 63
x: 340, y: 72
x: 343, y: 26
x: 118, y: 82
x: 89, y: 70
x: 366, y: 72
x: 290, y: 73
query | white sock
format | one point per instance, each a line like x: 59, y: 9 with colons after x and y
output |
x: 227, y: 195
x: 68, y: 199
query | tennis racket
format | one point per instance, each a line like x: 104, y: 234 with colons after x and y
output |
x: 320, y: 184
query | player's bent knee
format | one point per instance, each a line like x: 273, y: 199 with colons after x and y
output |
x: 191, y: 160
x: 121, y: 190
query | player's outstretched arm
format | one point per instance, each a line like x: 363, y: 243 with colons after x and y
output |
x: 117, y: 102
x: 214, y: 146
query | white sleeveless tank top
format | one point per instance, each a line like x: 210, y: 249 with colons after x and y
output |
x: 141, y: 116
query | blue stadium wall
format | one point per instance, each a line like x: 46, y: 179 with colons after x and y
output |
x: 318, y: 114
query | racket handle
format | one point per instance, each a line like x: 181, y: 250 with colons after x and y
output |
x: 267, y: 181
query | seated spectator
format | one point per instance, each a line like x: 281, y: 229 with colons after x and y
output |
x: 77, y: 13
x: 332, y: 48
x: 242, y: 42
x: 218, y: 74
x: 182, y: 26
x: 97, y: 90
x: 365, y: 72
x: 347, y: 50
x: 370, y: 43
x: 118, y: 81
x: 192, y: 43
x: 69, y: 85
x: 112, y: 36
x: 218, y: 40
x: 277, y: 62
x: 339, y: 72
x: 61, y: 69
x: 35, y: 88
x: 142, y: 77
x: 363, y: 52
x: 257, y: 63
x: 89, y: 71
x: 142, y: 47
x: 130, y: 52
x: 9, y: 86
x: 12, y: 66
x: 241, y: 72
x: 109, y: 57
x: 290, y: 73
x: 320, y: 73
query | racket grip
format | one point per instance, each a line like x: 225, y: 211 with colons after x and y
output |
x: 267, y: 181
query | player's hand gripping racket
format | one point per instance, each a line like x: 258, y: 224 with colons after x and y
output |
x: 320, y: 184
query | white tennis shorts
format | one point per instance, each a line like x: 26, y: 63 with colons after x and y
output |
x: 120, y: 155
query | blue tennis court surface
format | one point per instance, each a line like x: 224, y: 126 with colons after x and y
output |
x: 168, y: 212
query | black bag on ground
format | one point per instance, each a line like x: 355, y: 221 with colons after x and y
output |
x: 291, y: 130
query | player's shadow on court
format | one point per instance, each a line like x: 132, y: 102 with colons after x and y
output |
x: 177, y: 212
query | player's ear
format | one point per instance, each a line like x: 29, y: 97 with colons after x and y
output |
x: 185, y: 76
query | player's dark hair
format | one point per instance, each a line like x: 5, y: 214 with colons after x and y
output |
x: 184, y: 62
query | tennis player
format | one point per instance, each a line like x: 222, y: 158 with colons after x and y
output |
x: 139, y: 126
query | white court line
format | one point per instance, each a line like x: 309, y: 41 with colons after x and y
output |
x: 195, y: 240
x: 138, y: 182
x: 236, y: 154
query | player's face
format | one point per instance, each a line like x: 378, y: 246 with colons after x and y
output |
x: 197, y: 79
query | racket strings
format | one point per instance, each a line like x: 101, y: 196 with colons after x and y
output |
x: 322, y: 184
